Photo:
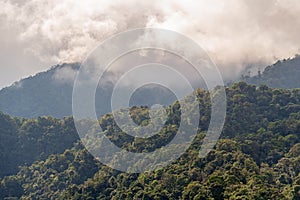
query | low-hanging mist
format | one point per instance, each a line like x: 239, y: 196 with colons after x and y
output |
x: 236, y: 34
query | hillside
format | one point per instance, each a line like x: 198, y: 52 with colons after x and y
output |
x: 257, y: 157
x: 49, y: 93
x: 282, y: 74
x: 39, y: 95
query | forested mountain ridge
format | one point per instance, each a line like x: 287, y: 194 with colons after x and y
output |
x: 283, y: 74
x: 44, y: 94
x: 49, y: 93
x: 258, y: 156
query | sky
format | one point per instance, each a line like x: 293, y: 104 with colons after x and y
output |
x: 236, y: 34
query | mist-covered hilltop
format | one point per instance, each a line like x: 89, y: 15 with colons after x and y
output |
x: 49, y: 93
x: 283, y: 74
x: 45, y: 94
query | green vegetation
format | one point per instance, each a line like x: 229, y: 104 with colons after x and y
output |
x: 23, y: 141
x: 257, y: 157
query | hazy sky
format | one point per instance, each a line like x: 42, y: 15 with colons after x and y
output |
x: 35, y: 34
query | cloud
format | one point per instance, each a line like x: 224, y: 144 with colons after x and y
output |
x: 235, y: 33
x: 65, y: 74
x: 239, y: 33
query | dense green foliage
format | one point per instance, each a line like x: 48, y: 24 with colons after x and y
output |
x: 23, y: 141
x: 282, y: 74
x: 258, y: 156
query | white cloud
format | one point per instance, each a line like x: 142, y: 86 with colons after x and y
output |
x: 66, y: 74
x: 235, y: 33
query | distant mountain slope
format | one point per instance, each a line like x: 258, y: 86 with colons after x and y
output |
x: 39, y: 95
x: 49, y: 93
x: 282, y: 74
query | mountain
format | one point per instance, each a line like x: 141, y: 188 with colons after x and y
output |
x: 49, y: 93
x: 41, y: 95
x: 282, y: 74
x: 257, y: 156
